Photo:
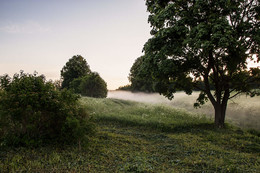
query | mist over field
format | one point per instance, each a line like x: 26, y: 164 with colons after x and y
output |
x: 242, y: 111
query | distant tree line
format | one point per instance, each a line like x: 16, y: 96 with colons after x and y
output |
x: 144, y: 82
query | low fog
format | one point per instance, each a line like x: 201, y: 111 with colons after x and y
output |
x: 242, y: 111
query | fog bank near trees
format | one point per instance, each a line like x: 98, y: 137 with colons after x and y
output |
x: 242, y: 111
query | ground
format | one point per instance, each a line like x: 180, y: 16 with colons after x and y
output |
x: 137, y: 137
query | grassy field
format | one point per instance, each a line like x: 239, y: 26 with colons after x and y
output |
x: 138, y: 137
x: 242, y: 111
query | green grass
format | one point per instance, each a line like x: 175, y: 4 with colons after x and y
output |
x: 242, y: 111
x: 129, y: 113
x: 136, y: 137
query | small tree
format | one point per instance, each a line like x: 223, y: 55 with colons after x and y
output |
x: 204, y: 40
x: 76, y: 67
x: 91, y: 85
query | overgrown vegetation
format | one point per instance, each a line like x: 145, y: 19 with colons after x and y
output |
x: 136, y: 137
x: 33, y: 112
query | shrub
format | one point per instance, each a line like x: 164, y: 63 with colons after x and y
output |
x: 34, y: 112
x: 91, y: 85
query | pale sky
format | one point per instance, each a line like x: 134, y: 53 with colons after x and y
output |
x: 42, y: 35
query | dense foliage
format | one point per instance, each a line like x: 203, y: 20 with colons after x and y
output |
x: 33, y: 112
x: 204, y: 40
x: 140, y: 81
x: 77, y: 76
x: 91, y: 85
x: 76, y: 67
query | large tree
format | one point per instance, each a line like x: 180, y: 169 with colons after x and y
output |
x: 76, y: 67
x: 204, y: 40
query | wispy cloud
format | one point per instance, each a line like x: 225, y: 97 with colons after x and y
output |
x: 28, y: 27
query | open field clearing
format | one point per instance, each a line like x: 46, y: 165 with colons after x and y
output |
x: 137, y: 137
x: 242, y: 111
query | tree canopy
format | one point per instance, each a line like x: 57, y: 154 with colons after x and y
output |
x: 76, y: 75
x: 204, y: 40
x: 76, y: 67
x: 139, y: 80
x: 91, y: 85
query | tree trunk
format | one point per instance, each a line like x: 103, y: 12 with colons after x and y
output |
x: 220, y: 114
x: 219, y: 103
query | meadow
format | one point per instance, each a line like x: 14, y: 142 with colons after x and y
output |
x: 140, y: 137
x: 243, y: 111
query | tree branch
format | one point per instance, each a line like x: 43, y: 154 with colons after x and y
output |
x: 207, y: 89
x: 235, y: 95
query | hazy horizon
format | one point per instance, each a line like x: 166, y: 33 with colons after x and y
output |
x: 43, y: 35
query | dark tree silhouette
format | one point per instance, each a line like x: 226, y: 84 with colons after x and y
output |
x: 139, y: 80
x: 76, y: 67
x: 204, y: 40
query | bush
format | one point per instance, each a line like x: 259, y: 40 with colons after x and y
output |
x: 34, y: 112
x: 91, y: 85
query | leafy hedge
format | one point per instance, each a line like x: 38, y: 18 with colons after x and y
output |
x: 33, y: 112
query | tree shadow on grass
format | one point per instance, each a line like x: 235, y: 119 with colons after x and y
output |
x: 207, y: 132
x: 162, y: 127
